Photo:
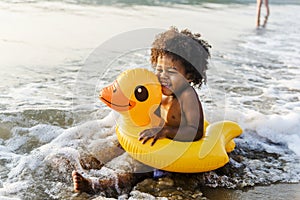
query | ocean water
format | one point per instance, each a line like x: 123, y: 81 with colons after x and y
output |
x: 57, y: 55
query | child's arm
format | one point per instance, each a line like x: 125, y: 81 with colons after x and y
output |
x: 190, y: 131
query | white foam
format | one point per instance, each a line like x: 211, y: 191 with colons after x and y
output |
x: 277, y: 128
x: 12, y: 188
x: 65, y: 143
x: 45, y: 133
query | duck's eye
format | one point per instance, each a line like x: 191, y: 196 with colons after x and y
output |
x: 141, y: 93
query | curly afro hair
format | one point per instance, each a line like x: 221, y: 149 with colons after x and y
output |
x: 186, y: 47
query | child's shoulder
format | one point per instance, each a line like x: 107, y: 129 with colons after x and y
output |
x: 189, y: 92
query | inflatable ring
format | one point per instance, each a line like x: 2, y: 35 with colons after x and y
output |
x: 136, y: 94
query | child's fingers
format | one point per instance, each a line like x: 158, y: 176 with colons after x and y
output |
x: 146, y: 139
x: 154, y: 140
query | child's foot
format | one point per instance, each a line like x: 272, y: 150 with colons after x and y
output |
x: 159, y: 173
x: 82, y: 184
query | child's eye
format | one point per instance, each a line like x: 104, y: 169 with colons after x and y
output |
x: 172, y: 71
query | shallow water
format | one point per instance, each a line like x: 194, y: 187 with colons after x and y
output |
x: 57, y: 55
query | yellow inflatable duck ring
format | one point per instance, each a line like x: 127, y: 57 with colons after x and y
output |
x: 136, y: 94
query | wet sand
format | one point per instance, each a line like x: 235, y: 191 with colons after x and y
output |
x: 276, y: 191
x: 54, y: 33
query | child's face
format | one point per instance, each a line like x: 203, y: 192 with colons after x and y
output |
x: 171, y: 74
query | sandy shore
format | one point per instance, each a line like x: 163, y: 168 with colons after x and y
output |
x: 55, y: 33
x: 277, y: 191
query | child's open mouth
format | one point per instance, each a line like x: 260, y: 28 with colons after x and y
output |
x: 166, y: 85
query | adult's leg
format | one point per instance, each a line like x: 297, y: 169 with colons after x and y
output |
x: 258, y: 9
x: 267, y: 8
x: 267, y: 12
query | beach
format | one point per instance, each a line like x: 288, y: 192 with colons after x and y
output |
x: 56, y: 56
x: 277, y: 191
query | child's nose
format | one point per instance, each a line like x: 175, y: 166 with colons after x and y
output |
x: 164, y: 74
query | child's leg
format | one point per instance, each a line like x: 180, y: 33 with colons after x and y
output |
x: 106, y: 149
x: 111, y: 185
x: 115, y: 178
x: 101, y: 151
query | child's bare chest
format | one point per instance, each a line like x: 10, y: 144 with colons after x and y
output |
x: 171, y: 111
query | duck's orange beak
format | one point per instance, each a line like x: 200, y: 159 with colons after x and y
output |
x: 114, y: 98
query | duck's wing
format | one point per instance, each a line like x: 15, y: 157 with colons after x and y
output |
x: 224, y: 131
x: 213, y: 134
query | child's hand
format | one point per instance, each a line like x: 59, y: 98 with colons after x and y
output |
x: 154, y: 133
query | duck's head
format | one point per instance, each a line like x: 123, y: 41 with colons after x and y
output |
x: 135, y: 94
